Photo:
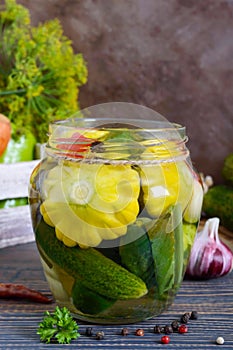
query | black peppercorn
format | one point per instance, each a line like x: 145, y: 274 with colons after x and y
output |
x: 175, y: 325
x: 157, y: 329
x: 185, y: 317
x: 124, y: 331
x: 88, y: 331
x: 100, y: 335
x: 194, y: 315
x: 97, y: 146
x: 168, y: 329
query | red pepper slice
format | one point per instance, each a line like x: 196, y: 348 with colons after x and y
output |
x: 76, y: 144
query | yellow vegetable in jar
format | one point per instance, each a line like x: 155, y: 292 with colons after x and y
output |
x: 165, y: 183
x: 88, y: 203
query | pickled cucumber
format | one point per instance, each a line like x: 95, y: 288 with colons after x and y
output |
x: 137, y: 256
x: 167, y: 249
x: 97, y: 272
x: 189, y: 233
x: 88, y: 301
x: 179, y: 244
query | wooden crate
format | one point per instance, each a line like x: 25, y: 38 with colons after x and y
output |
x: 15, y: 223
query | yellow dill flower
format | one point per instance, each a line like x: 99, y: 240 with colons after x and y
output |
x: 88, y: 203
x: 34, y: 91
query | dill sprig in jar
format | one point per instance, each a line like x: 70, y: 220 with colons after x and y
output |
x: 115, y: 206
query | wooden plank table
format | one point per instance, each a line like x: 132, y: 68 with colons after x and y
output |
x: 19, y: 263
x: 213, y: 299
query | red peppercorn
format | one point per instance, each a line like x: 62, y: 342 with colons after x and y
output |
x: 183, y: 328
x: 165, y: 339
x: 139, y: 332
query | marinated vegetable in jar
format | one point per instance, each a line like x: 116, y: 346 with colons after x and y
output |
x: 115, y: 206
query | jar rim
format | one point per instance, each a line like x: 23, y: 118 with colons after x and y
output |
x: 146, y: 124
x: 84, y: 139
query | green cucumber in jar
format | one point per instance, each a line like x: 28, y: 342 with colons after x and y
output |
x: 189, y: 233
x: 136, y: 255
x: 87, y: 301
x: 177, y: 220
x: 166, y: 238
x: 97, y: 272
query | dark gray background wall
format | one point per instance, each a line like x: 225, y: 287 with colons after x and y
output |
x: 175, y: 56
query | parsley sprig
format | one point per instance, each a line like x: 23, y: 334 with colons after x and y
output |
x: 59, y: 326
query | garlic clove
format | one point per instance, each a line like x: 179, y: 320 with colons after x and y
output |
x: 209, y: 257
x: 193, y: 211
x: 207, y: 182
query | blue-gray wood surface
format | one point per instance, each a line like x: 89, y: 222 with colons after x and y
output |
x: 213, y: 299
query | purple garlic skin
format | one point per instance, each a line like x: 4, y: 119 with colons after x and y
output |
x: 209, y: 257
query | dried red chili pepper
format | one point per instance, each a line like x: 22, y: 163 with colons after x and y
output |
x: 11, y: 290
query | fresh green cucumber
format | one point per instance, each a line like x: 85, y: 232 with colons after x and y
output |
x: 88, y: 301
x: 97, y: 272
x: 227, y: 171
x: 218, y: 201
x: 136, y: 256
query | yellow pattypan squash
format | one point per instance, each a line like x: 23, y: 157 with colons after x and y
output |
x: 165, y: 183
x: 88, y: 203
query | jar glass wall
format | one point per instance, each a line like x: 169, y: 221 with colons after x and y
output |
x: 115, y: 206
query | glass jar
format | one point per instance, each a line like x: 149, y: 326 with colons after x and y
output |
x: 115, y: 206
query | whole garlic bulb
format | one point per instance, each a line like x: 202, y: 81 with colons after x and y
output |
x: 210, y: 257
